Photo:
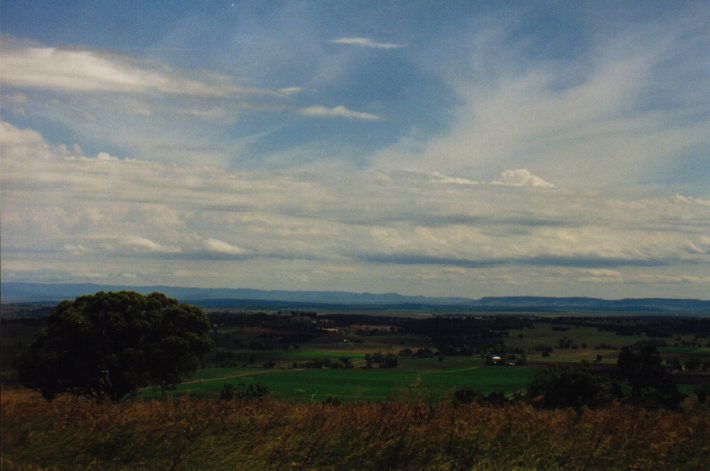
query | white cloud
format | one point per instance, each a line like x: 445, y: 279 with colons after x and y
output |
x: 441, y: 178
x: 220, y: 246
x: 521, y: 177
x: 62, y: 211
x: 105, y: 156
x: 214, y: 113
x: 145, y: 245
x: 291, y: 90
x: 337, y: 112
x: 617, y: 113
x: 12, y: 138
x: 366, y: 42
x: 128, y: 245
x: 654, y: 279
x: 80, y: 70
x: 600, y: 276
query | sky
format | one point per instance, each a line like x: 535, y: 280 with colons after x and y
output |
x: 421, y: 147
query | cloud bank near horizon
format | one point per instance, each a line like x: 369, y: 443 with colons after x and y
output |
x: 151, y: 222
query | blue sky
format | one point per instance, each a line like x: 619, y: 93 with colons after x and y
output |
x: 440, y: 148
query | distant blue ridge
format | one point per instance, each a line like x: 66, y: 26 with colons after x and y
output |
x: 19, y: 292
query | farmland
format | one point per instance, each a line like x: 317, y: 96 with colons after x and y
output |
x: 312, y: 357
x: 361, y: 384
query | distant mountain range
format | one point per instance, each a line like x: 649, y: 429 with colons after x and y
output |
x: 20, y: 292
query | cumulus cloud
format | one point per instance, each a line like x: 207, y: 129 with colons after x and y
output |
x: 521, y: 177
x: 366, y: 42
x: 13, y: 138
x: 337, y: 112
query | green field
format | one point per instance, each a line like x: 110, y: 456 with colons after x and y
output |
x: 427, y: 377
x: 585, y: 337
x: 701, y: 351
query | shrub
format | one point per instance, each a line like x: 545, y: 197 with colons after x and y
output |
x: 569, y: 386
x: 466, y: 395
x: 242, y: 391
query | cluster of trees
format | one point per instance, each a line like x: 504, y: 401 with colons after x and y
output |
x: 389, y: 360
x: 465, y: 335
x: 651, y: 326
x: 282, y: 331
x: 342, y: 362
x: 639, y: 376
x: 418, y: 353
x: 107, y: 345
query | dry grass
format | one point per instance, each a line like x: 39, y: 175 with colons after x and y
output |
x: 72, y: 433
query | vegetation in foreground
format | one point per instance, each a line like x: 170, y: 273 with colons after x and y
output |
x: 266, y: 433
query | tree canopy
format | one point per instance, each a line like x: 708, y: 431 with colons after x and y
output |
x: 107, y: 345
x: 650, y: 383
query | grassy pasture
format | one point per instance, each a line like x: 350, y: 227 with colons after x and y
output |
x: 701, y: 351
x: 429, y: 377
x: 543, y: 334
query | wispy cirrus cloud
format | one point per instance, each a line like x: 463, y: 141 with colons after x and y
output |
x: 339, y: 111
x: 366, y: 42
x: 124, y: 245
x: 90, y: 71
x: 290, y: 90
x: 627, y: 108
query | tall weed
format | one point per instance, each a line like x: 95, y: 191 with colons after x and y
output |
x: 410, y: 433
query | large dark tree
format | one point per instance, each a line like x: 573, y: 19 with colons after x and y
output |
x: 650, y: 383
x: 107, y: 345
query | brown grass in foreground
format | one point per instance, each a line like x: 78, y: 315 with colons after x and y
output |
x: 73, y: 433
